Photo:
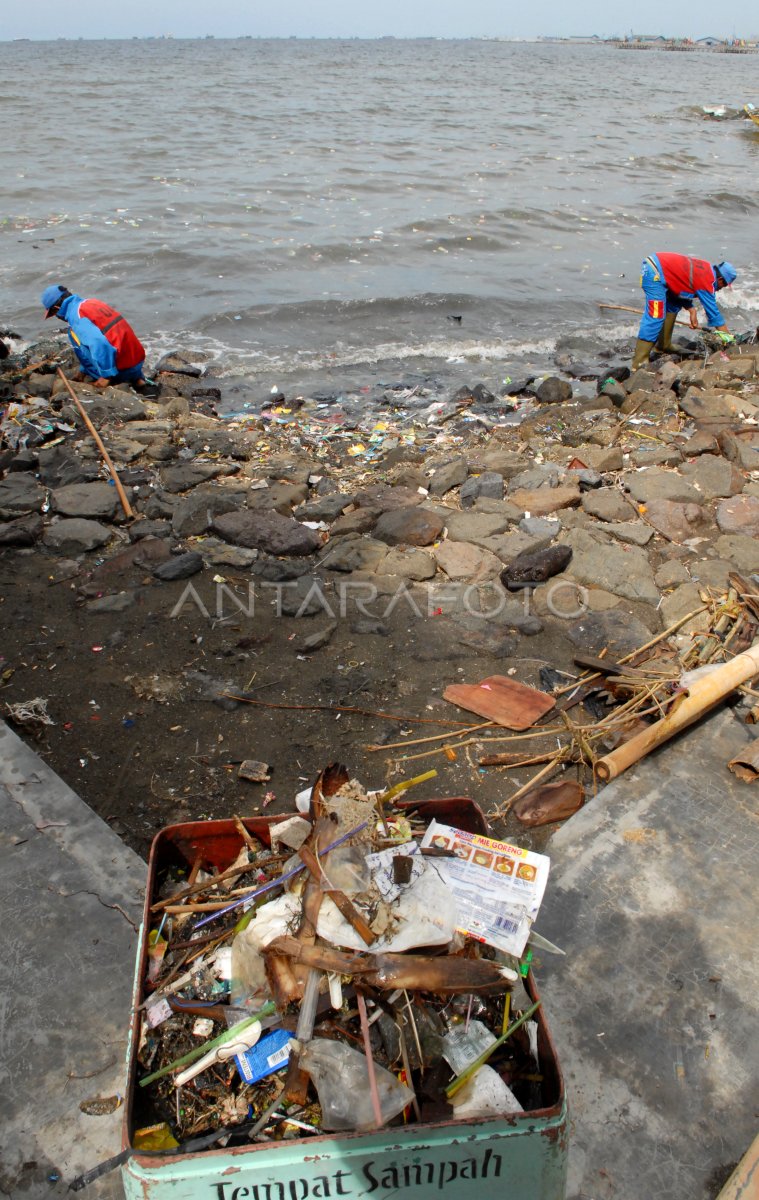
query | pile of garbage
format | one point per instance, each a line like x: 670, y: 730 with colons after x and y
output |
x: 360, y: 963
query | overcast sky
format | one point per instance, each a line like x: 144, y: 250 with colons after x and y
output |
x: 402, y: 18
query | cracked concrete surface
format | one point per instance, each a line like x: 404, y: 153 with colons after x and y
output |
x: 71, y: 896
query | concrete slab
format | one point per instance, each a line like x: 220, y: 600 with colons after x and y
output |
x: 653, y: 895
x: 71, y: 896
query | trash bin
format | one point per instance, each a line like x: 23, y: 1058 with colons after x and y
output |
x: 522, y: 1155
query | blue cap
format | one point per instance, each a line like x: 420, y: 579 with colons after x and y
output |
x: 53, y: 295
x: 728, y: 272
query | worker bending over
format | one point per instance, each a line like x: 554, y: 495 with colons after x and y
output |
x: 671, y: 282
x: 107, y: 347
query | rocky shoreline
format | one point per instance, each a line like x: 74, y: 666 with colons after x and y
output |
x: 318, y: 550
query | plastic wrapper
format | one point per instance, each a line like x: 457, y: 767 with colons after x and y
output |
x: 340, y: 1075
x: 272, y: 920
x: 484, y: 1095
x: 424, y: 914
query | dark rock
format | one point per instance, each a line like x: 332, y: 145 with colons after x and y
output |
x: 303, y: 597
x: 448, y: 476
x: 176, y: 361
x: 362, y: 520
x: 75, y: 534
x: 24, y: 531
x: 382, y: 498
x: 110, y: 604
x: 518, y: 387
x: 60, y: 466
x: 182, y: 566
x: 97, y: 500
x: 20, y: 493
x: 353, y: 554
x: 159, y: 506
x: 127, y: 566
x: 483, y: 395
x: 409, y: 526
x: 318, y: 640
x: 110, y: 405
x: 613, y: 391
x: 620, y: 632
x: 658, y: 484
x: 489, y: 485
x: 587, y: 479
x: 675, y: 521
x: 608, y: 504
x: 700, y: 443
x: 25, y: 460
x: 366, y: 626
x: 277, y: 570
x: 713, y: 476
x: 554, y: 391
x: 740, y: 514
x: 267, y: 531
x: 188, y: 475
x: 228, y: 443
x: 535, y: 566
x: 193, y: 514
x: 323, y: 508
x: 143, y: 529
x: 617, y: 374
x: 278, y: 497
x: 741, y: 450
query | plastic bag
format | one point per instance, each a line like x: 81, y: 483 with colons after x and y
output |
x: 272, y: 920
x: 424, y: 914
x: 484, y: 1095
x: 340, y: 1075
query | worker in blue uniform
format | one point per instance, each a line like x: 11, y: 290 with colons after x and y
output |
x: 104, y: 342
x: 671, y: 282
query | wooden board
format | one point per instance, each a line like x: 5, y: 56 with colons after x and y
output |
x: 502, y: 700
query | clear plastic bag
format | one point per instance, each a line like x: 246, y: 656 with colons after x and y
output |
x: 340, y: 1075
x: 484, y: 1095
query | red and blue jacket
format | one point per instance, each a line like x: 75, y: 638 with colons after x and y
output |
x: 691, y: 279
x: 103, y: 340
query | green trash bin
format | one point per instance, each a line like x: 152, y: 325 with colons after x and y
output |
x: 520, y: 1156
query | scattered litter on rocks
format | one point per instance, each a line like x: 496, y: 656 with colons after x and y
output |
x: 298, y: 564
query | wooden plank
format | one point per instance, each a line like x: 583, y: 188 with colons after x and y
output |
x: 502, y: 700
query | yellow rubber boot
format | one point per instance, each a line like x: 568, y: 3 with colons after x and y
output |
x: 664, y: 340
x: 642, y: 353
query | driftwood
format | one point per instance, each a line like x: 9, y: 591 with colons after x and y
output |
x: 447, y: 974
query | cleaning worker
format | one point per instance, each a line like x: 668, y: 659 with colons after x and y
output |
x: 107, y: 347
x: 671, y: 282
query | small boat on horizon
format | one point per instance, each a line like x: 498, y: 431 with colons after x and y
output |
x: 753, y: 112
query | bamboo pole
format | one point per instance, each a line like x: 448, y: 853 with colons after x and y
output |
x: 638, y: 313
x: 98, y: 442
x: 702, y: 696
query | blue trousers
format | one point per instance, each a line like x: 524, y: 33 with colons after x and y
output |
x: 658, y: 300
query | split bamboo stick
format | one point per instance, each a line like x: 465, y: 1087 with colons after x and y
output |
x: 702, y: 696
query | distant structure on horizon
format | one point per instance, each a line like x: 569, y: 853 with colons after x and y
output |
x: 657, y: 41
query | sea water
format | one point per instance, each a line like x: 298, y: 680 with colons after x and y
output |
x: 307, y: 209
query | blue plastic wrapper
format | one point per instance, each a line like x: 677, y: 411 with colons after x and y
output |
x: 270, y: 1052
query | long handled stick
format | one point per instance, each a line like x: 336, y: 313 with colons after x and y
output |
x: 638, y: 313
x: 98, y: 442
